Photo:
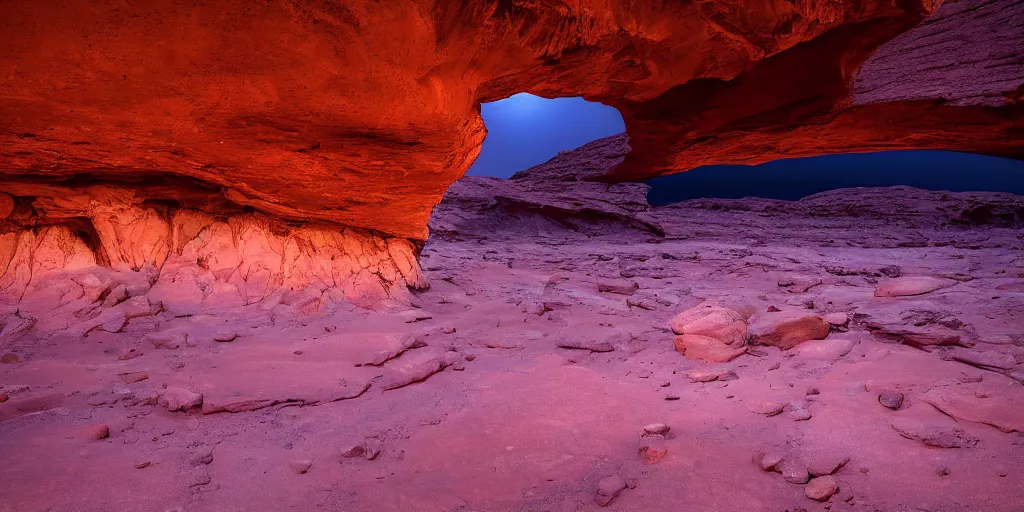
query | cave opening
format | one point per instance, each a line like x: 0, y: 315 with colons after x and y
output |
x: 794, y: 179
x: 524, y: 130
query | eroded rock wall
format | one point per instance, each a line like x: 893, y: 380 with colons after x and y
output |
x: 362, y: 113
x: 69, y: 255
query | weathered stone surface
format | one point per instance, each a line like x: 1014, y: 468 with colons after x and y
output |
x: 270, y: 125
x: 704, y: 348
x: 821, y: 488
x: 912, y: 285
x: 933, y: 434
x: 179, y: 399
x: 787, y: 329
x: 711, y: 320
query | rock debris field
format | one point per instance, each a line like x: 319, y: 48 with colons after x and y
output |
x: 858, y: 350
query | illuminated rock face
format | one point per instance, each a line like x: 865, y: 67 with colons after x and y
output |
x: 360, y: 114
x: 78, y: 247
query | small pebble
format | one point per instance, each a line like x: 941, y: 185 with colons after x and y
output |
x: 657, y: 428
x: 821, y: 488
x: 300, y: 466
x: 891, y: 399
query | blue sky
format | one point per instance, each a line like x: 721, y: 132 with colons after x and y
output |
x: 525, y: 130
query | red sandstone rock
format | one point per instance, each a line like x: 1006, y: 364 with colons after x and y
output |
x: 787, y: 329
x: 179, y: 399
x: 266, y: 124
x: 704, y: 348
x: 821, y: 488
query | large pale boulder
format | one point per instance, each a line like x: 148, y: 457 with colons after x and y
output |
x: 710, y: 332
x: 713, y: 321
x: 907, y: 286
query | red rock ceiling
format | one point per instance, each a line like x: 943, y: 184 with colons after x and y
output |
x: 362, y: 112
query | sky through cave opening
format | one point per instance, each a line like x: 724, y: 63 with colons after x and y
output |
x: 793, y: 179
x: 524, y: 130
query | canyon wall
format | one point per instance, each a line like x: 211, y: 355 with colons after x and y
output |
x: 94, y: 257
x: 255, y: 146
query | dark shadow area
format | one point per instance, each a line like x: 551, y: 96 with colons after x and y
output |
x: 525, y: 130
x: 797, y: 178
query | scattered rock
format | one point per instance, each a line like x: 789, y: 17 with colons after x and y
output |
x: 710, y: 375
x: 114, y: 322
x: 821, y: 488
x: 799, y: 413
x: 201, y: 477
x: 836, y: 319
x: 588, y: 342
x: 201, y: 456
x: 652, y: 448
x: 170, y: 340
x: 397, y: 346
x: 932, y: 434
x: 826, y: 464
x: 768, y: 461
x: 799, y: 284
x: 179, y: 399
x: 787, y: 329
x: 916, y: 336
x: 130, y: 353
x: 608, y: 488
x: 96, y: 432
x: 619, y: 286
x: 657, y: 429
x: 224, y: 335
x: 373, y: 445
x: 133, y: 377
x: 707, y: 349
x: 767, y: 408
x: 414, y: 371
x: 414, y: 315
x: 793, y: 471
x: 300, y: 466
x: 354, y: 451
x: 825, y: 350
x: 891, y: 399
x: 912, y: 285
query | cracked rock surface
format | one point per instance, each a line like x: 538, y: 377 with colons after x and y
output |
x: 514, y: 382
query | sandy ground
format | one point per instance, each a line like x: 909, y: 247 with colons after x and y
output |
x: 470, y: 400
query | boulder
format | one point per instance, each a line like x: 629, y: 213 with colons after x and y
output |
x: 824, y: 350
x: 907, y: 286
x: 707, y: 349
x: 619, y: 286
x: 821, y: 488
x: 712, y: 321
x: 179, y: 399
x: 787, y: 329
